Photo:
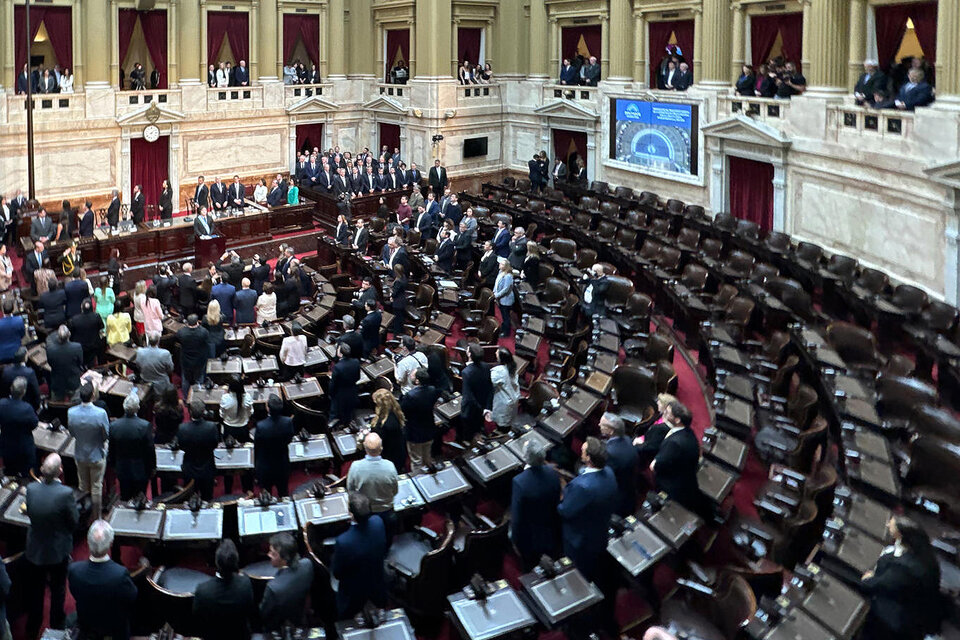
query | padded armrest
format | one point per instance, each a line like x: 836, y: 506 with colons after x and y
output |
x: 428, y: 533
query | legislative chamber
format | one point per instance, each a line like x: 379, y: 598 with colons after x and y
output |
x: 480, y: 319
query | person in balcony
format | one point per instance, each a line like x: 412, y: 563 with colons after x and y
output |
x: 289, y: 74
x: 916, y: 93
x: 66, y: 81
x: 747, y: 82
x: 48, y: 83
x: 223, y: 76
x: 486, y: 75
x: 684, y: 78
x: 212, y: 77
x: 301, y: 73
x: 871, y: 81
x: 766, y: 82
x: 241, y: 75
x: 155, y: 78
x: 138, y: 78
x: 568, y: 73
x: 590, y: 73
x: 314, y: 75
x: 791, y: 82
x: 464, y: 74
x: 669, y: 77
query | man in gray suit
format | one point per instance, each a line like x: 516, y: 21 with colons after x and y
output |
x: 42, y: 227
x: 155, y: 363
x: 559, y: 173
x: 285, y: 598
x: 53, y: 519
x: 518, y: 248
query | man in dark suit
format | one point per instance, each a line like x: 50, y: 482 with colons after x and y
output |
x: 131, y: 450
x: 32, y: 262
x: 137, y: 205
x: 351, y: 336
x: 201, y: 196
x: 76, y: 291
x: 370, y: 328
x: 224, y: 293
x: 534, y: 174
x: 366, y: 292
x: 534, y: 519
x: 285, y: 596
x: 413, y: 174
x: 224, y: 604
x: 203, y: 224
x: 18, y: 369
x: 259, y: 273
x: 23, y: 80
x: 236, y: 194
x: 383, y: 184
x: 518, y: 248
x: 194, y: 351
x: 369, y: 182
x: 488, y: 265
x: 361, y: 237
x: 675, y: 466
x: 392, y: 182
x: 424, y: 221
x: 622, y: 459
x: 245, y: 302
x: 871, y: 81
x: 188, y: 291
x: 453, y: 211
x: 86, y: 220
x: 218, y: 195
x: 444, y: 255
x: 53, y: 519
x: 86, y: 327
x: 113, y: 210
x: 53, y: 302
x: 340, y: 183
x: 684, y: 78
x: 343, y: 384
x: 271, y: 454
x: 463, y: 244
x: 66, y: 363
x: 358, y: 557
x: 477, y: 394
x: 241, y: 76
x: 588, y: 502
x: 102, y: 589
x: 568, y: 73
x: 417, y: 405
x: 595, y: 291
x: 324, y: 178
x: 198, y: 438
x: 275, y: 196
x: 233, y: 270
x: 17, y: 422
x: 437, y: 178
x: 915, y: 93
x: 12, y: 330
x: 501, y: 240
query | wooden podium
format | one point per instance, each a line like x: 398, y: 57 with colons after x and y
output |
x: 207, y: 250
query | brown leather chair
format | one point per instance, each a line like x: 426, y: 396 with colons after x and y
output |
x: 560, y: 212
x: 623, y: 192
x: 710, y: 250
x: 619, y: 291
x: 649, y: 251
x: 899, y: 398
x: 509, y: 181
x: 694, y: 212
x: 540, y: 393
x: 856, y: 345
x: 738, y: 265
x: 609, y: 210
x: 737, y: 315
x: 635, y: 219
x: 476, y: 309
x: 872, y: 281
x: 421, y: 561
x: 666, y: 378
x: 936, y: 422
x: 479, y: 547
x: 626, y: 239
x: 523, y: 184
x: 586, y: 258
x: 636, y: 313
x: 932, y: 473
x: 725, y: 222
x: 582, y: 219
x: 688, y: 239
x: 748, y: 230
x: 519, y: 200
x: 717, y: 614
x: 694, y: 278
x: 536, y: 206
x: 762, y: 271
x: 810, y: 444
x: 635, y: 394
x: 675, y: 206
x: 660, y: 228
x: 910, y: 299
x: 648, y: 198
x: 422, y: 303
x: 777, y: 242
x: 808, y: 255
x: 589, y: 204
x: 668, y: 263
x: 599, y: 187
x: 563, y: 250
x: 843, y: 267
x: 606, y: 231
x: 722, y: 298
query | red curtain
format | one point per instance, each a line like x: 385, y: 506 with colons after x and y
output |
x: 309, y: 136
x: 154, y: 26
x: 751, y: 191
x: 398, y: 48
x: 891, y: 21
x: 659, y: 37
x: 389, y: 135
x: 570, y: 41
x: 233, y: 24
x: 298, y: 26
x: 149, y: 163
x: 468, y: 45
x: 763, y: 34
x: 566, y: 142
x: 59, y: 24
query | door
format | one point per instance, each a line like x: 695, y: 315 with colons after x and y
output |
x: 750, y: 185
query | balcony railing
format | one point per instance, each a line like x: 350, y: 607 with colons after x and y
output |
x: 45, y: 103
x: 128, y: 101
x: 393, y: 90
x: 895, y: 125
x: 235, y: 97
x: 764, y: 109
x: 569, y: 92
x: 293, y: 94
x: 478, y: 94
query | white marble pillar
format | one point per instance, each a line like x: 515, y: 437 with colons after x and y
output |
x: 717, y: 188
x: 174, y: 164
x: 779, y: 197
x: 293, y: 145
x: 125, y: 165
x: 951, y: 248
x: 593, y: 161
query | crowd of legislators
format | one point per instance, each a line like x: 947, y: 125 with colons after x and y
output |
x: 44, y: 80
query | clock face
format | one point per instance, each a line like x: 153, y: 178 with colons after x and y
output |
x: 151, y: 133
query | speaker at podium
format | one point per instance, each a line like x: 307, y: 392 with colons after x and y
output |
x: 208, y: 249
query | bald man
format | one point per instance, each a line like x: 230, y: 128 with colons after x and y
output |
x: 376, y: 478
x: 53, y: 518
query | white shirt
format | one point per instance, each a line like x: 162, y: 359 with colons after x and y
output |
x: 266, y: 307
x: 356, y: 237
x: 293, y: 351
x: 403, y: 372
x: 222, y: 79
x: 669, y: 82
x: 260, y: 193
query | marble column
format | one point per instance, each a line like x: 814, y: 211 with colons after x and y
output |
x: 189, y: 28
x: 537, y: 66
x: 96, y: 46
x: 454, y: 46
x: 697, y: 43
x: 738, y: 48
x: 434, y: 50
x: 412, y: 62
x: 604, y: 46
x: 828, y: 42
x: 556, y: 56
x: 621, y: 53
x: 506, y: 47
x: 715, y: 48
x: 267, y: 41
x: 361, y: 35
x: 948, y: 51
x: 857, y: 46
x: 337, y: 34
x: 641, y: 72
x: 173, y: 60
x: 7, y: 74
x: 805, y: 47
x: 779, y: 197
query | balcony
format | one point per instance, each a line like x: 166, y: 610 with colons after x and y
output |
x: 235, y: 98
x: 769, y: 110
x: 56, y: 105
x: 393, y: 90
x: 128, y: 101
x: 553, y: 92
x: 863, y: 122
x: 478, y: 95
x: 292, y: 94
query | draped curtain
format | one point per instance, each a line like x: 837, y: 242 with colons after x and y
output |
x: 298, y: 26
x: 659, y: 37
x: 149, y: 166
x: 751, y: 191
x: 309, y: 136
x: 59, y: 24
x: 398, y: 48
x: 763, y: 35
x: 235, y: 26
x: 891, y: 21
x: 565, y: 143
x: 154, y: 26
x: 468, y: 44
x: 570, y: 38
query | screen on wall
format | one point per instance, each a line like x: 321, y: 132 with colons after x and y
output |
x: 474, y: 147
x: 656, y: 136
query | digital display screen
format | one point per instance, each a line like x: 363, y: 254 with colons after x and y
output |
x: 655, y: 136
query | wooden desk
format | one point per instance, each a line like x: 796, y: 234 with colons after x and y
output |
x: 325, y: 208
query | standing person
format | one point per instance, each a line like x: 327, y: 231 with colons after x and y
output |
x: 267, y: 304
x: 131, y: 451
x: 376, y: 478
x: 271, y: 453
x: 103, y: 590
x: 388, y: 423
x: 245, y: 303
x: 358, y: 558
x: 236, y: 409
x: 18, y: 369
x: 198, y: 438
x: 90, y: 427
x: 588, y: 502
x: 284, y: 599
x: 152, y: 312
x: 506, y: 390
x: 437, y: 178
x: 622, y: 458
x: 194, y: 352
x: 417, y: 406
x: 398, y: 299
x: 223, y: 604
x: 17, y: 422
x: 503, y: 294
x: 105, y: 299
x: 166, y: 201
x: 343, y: 385
x: 154, y: 363
x: 12, y: 330
x: 167, y: 415
x: 293, y: 352
x: 675, y: 466
x: 53, y: 519
x: 66, y: 363
x: 477, y: 396
x: 535, y: 496
x: 118, y: 326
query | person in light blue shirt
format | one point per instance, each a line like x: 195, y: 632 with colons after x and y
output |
x: 90, y: 426
x: 503, y: 293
